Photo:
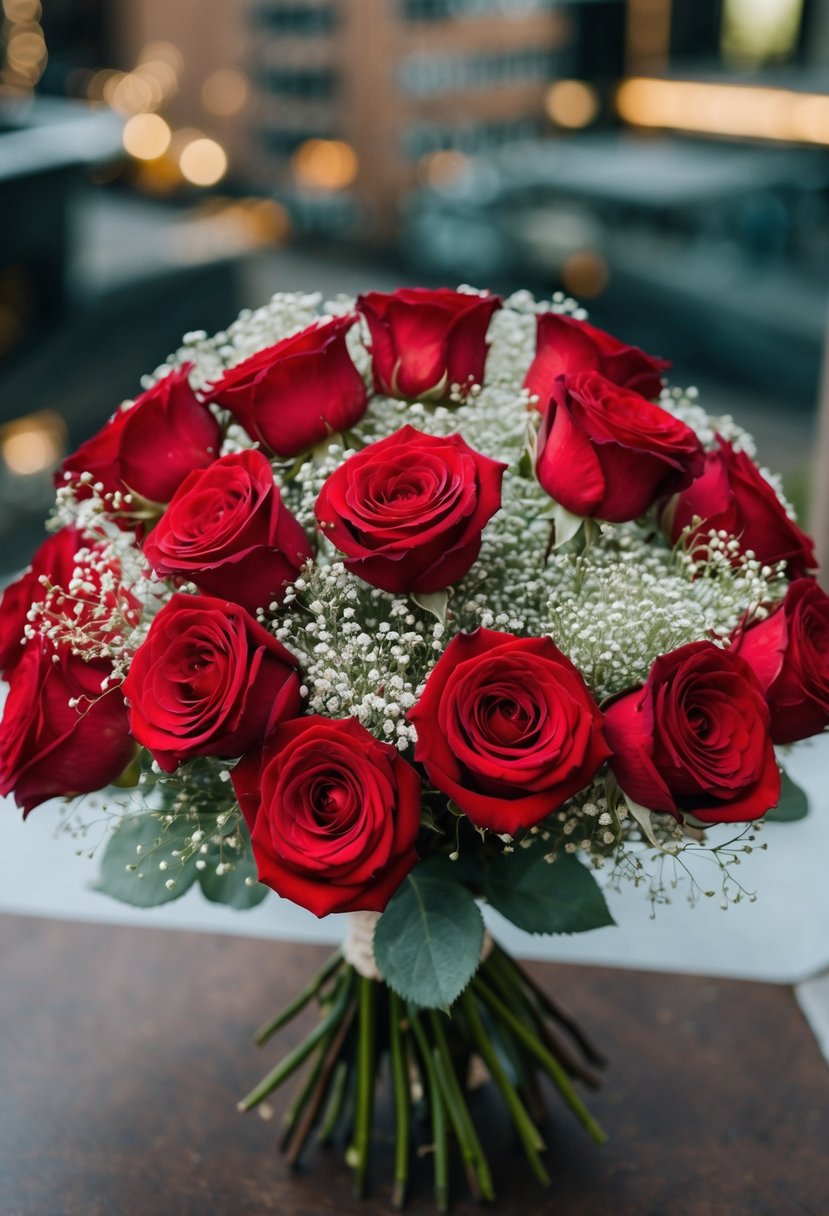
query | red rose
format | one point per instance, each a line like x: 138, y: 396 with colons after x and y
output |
x: 606, y: 452
x: 150, y: 447
x: 228, y: 531
x: 291, y: 396
x: 695, y: 739
x: 57, y: 560
x: 49, y: 748
x: 424, y: 342
x: 208, y: 681
x: 789, y: 654
x: 333, y: 814
x: 408, y: 511
x: 507, y: 728
x: 565, y: 346
x: 733, y: 496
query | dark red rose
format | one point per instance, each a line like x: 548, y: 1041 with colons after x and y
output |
x: 507, y: 728
x: 49, y: 748
x: 208, y: 681
x: 228, y: 531
x: 291, y: 396
x: 695, y: 739
x: 333, y: 814
x: 607, y: 453
x: 408, y: 511
x: 789, y: 654
x: 733, y: 496
x: 423, y: 342
x: 150, y: 447
x: 565, y: 346
x: 57, y: 560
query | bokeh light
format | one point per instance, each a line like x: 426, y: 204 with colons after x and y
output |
x: 225, y: 92
x: 325, y: 164
x: 146, y: 136
x: 203, y: 162
x: 572, y: 103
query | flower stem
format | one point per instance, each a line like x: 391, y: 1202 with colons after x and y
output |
x: 544, y: 1057
x: 366, y: 1068
x: 437, y: 1108
x: 555, y: 1012
x: 402, y: 1099
x: 329, y: 1055
x: 299, y: 1002
x: 527, y: 1130
x: 336, y: 1098
x: 300, y: 1054
x: 478, y: 1170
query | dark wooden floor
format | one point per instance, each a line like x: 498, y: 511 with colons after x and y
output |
x: 123, y: 1052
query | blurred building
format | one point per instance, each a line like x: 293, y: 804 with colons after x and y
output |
x: 370, y: 97
x: 341, y: 107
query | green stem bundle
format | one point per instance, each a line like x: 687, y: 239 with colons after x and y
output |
x: 504, y: 1019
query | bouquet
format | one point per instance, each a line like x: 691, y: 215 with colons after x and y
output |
x: 398, y: 607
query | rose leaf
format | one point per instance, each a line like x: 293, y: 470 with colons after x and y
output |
x: 545, y: 897
x: 793, y: 804
x: 428, y: 941
x: 139, y: 862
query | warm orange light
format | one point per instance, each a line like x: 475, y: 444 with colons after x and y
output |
x: 268, y: 221
x: 166, y: 52
x: 146, y: 136
x: 225, y: 92
x: 325, y: 164
x: 23, y: 10
x: 572, y: 103
x: 203, y: 162
x: 444, y: 167
x: 26, y: 47
x: 721, y: 109
x: 134, y: 93
x: 585, y: 273
x: 33, y: 444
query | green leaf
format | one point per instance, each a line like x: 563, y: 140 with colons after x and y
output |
x: 231, y: 887
x: 793, y: 804
x: 544, y: 897
x: 144, y: 884
x: 428, y: 941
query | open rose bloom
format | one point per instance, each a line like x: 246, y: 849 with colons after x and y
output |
x: 401, y: 607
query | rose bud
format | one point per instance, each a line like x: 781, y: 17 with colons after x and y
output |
x: 50, y: 748
x: 507, y: 728
x: 425, y: 342
x: 733, y: 496
x: 208, y: 681
x: 149, y: 448
x: 57, y: 560
x: 295, y: 394
x: 607, y: 453
x: 789, y: 655
x: 333, y: 814
x: 565, y: 346
x: 695, y: 739
x: 228, y: 531
x: 408, y: 511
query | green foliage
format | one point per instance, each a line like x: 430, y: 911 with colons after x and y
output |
x: 543, y: 897
x: 135, y: 877
x: 793, y: 804
x: 428, y: 941
x: 231, y: 887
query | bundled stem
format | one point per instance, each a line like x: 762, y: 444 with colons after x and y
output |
x: 504, y: 1018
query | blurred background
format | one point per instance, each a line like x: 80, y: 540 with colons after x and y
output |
x: 164, y: 163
